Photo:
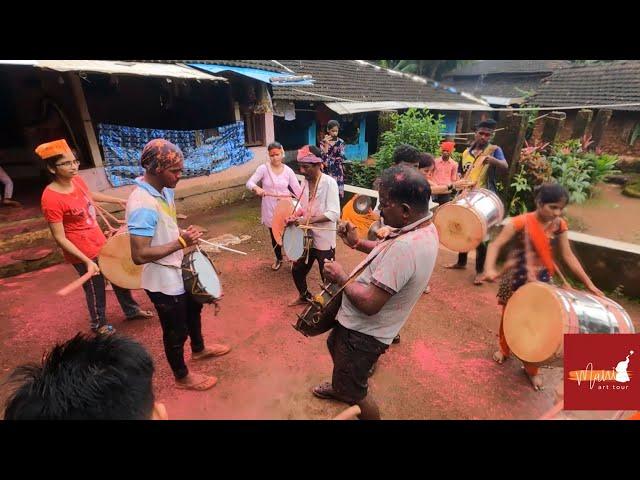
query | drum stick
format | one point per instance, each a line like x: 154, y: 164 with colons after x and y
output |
x: 310, y: 227
x: 223, y: 248
x: 349, y: 413
x: 75, y: 284
x: 276, y: 196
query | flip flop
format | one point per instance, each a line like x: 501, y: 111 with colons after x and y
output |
x: 206, y: 384
x: 495, y: 358
x: 455, y: 266
x: 141, y: 314
x: 276, y: 266
x: 478, y: 281
x: 215, y: 351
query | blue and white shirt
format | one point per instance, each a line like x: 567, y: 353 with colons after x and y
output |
x: 153, y: 214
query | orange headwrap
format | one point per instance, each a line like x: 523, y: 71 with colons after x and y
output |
x: 447, y: 146
x: 51, y: 149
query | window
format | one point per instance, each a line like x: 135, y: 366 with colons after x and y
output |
x: 254, y: 134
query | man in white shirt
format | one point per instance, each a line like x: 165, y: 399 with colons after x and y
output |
x: 319, y: 207
x: 158, y: 243
x: 378, y: 302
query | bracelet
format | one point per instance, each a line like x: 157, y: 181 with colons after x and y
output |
x: 182, y: 242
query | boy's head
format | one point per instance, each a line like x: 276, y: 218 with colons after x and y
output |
x: 103, y: 377
x: 407, y: 155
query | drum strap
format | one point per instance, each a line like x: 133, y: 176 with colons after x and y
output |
x: 529, y: 262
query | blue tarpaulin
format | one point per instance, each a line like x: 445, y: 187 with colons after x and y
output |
x: 204, y: 152
x: 256, y: 73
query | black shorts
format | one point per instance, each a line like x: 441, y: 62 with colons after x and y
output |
x: 353, y: 354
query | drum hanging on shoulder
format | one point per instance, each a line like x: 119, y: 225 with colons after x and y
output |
x: 464, y: 222
x: 538, y: 314
x: 116, y: 264
x: 320, y: 316
x: 200, y: 277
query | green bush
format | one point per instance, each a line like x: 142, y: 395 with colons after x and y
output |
x: 418, y: 128
x: 359, y: 174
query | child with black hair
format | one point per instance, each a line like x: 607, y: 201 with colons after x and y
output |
x: 536, y: 234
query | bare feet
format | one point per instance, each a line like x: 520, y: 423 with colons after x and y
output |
x: 455, y: 266
x: 499, y: 357
x: 215, y: 350
x: 196, y: 381
x: 536, y: 381
x: 479, y: 279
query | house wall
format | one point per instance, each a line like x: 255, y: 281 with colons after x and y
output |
x: 616, y: 136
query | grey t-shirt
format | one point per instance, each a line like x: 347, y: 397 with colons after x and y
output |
x: 403, y: 269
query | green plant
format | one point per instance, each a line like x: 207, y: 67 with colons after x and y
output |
x: 601, y: 166
x: 359, y: 174
x: 572, y: 172
x: 418, y: 128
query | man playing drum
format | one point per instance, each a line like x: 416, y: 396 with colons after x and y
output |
x: 158, y: 243
x: 480, y: 164
x: 319, y: 207
x: 378, y: 302
x: 67, y: 204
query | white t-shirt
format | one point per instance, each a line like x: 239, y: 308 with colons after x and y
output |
x: 327, y: 203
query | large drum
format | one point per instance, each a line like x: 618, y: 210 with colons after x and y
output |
x: 282, y: 210
x: 200, y: 277
x: 116, y: 264
x: 538, y: 315
x: 464, y: 222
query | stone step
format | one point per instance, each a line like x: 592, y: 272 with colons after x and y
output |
x: 40, y: 254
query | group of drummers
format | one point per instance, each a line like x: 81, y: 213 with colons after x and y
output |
x: 372, y: 302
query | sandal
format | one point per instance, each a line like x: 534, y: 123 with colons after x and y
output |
x: 499, y: 357
x: 141, y: 314
x: 216, y: 350
x: 205, y: 383
x: 276, y: 266
x: 478, y: 280
x: 104, y: 330
x: 324, y: 391
x: 455, y: 266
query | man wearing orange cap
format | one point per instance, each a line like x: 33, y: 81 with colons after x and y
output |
x: 67, y: 204
x: 445, y: 172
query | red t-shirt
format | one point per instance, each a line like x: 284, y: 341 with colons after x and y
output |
x: 78, y: 217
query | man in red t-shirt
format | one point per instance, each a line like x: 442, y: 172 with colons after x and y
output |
x: 67, y: 204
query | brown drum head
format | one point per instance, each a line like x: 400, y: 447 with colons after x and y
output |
x: 459, y: 228
x: 283, y: 210
x: 116, y: 264
x: 534, y: 320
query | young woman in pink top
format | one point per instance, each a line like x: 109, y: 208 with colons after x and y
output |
x: 277, y: 180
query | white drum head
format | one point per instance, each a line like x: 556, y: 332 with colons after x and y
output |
x: 293, y: 242
x: 459, y: 227
x: 207, y: 276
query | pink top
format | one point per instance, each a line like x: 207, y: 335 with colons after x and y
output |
x: 275, y: 185
x: 445, y: 172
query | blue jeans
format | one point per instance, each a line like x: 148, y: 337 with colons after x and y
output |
x: 94, y: 291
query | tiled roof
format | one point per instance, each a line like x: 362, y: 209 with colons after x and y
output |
x: 488, y: 67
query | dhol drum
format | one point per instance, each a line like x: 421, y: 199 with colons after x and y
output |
x: 363, y: 204
x: 283, y: 210
x: 295, y: 242
x: 320, y: 316
x: 464, y: 222
x: 116, y: 264
x: 200, y: 277
x: 538, y: 315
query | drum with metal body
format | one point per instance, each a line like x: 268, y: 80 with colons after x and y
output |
x: 538, y: 314
x: 200, y: 277
x: 296, y: 242
x: 116, y: 264
x: 320, y: 316
x: 464, y: 222
x: 363, y: 204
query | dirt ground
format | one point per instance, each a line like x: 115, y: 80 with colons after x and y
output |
x: 441, y: 369
x: 608, y: 214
